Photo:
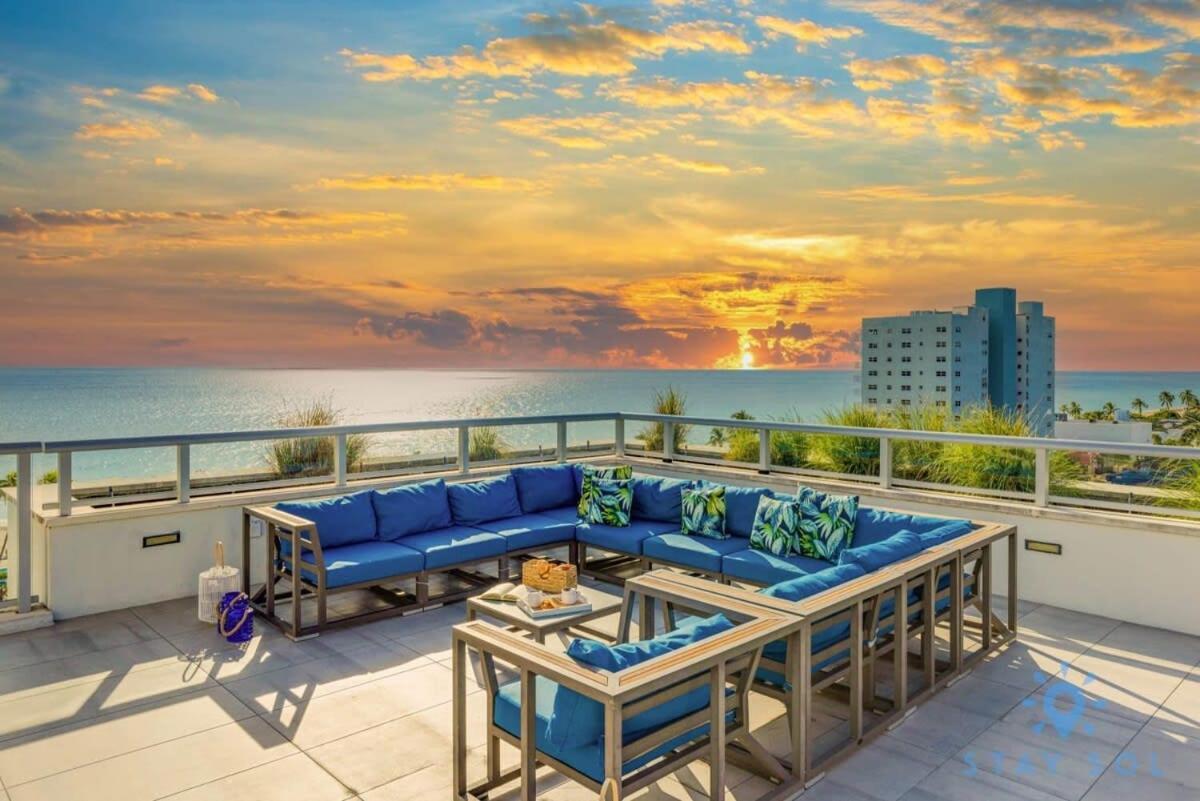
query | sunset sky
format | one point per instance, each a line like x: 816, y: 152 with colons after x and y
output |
x: 680, y: 183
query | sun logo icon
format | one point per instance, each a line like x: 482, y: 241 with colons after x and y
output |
x: 1063, y: 703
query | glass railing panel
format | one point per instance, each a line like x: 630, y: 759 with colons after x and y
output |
x: 120, y: 477
x: 401, y: 453
x: 1131, y: 484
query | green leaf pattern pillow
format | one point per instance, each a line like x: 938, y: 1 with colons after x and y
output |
x: 614, y: 502
x: 704, y: 512
x: 776, y: 526
x: 588, y: 494
x: 826, y: 523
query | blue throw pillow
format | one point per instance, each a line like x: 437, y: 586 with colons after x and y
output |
x: 874, y: 525
x: 542, y: 487
x: 343, y: 520
x: 826, y: 523
x: 658, y: 498
x: 412, y: 509
x: 880, y: 554
x: 578, y: 721
x: 801, y: 587
x: 481, y: 501
x: 941, y: 534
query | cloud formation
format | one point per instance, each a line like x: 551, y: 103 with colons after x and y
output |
x: 805, y: 32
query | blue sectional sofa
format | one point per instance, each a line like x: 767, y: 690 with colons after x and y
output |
x: 374, y: 538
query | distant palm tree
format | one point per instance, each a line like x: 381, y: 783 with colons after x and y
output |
x: 1166, y: 400
x: 1138, y: 405
x: 1108, y: 410
x: 1075, y: 410
x: 1188, y: 398
x: 1189, y: 431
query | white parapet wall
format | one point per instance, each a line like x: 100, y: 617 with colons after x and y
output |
x: 1131, y: 568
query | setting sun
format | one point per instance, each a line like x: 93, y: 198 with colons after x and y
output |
x: 747, y: 360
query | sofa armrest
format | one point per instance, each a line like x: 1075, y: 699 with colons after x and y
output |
x: 493, y: 642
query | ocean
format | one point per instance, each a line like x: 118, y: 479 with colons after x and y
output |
x: 52, y: 404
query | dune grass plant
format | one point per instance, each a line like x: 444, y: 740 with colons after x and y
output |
x: 312, y: 456
x: 670, y: 401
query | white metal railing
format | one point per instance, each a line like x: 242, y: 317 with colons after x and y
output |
x: 886, y: 438
x: 24, y: 515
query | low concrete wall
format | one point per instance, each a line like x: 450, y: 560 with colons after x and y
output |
x: 1129, y: 568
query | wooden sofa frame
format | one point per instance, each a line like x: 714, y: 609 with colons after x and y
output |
x: 303, y: 537
x: 726, y: 660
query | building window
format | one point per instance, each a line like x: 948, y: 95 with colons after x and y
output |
x: 871, y: 346
x: 905, y: 345
x: 872, y: 386
x: 941, y: 329
x: 941, y: 389
x: 872, y: 401
x: 905, y: 330
x: 958, y: 373
x: 939, y: 403
x: 906, y: 358
x: 941, y: 373
x: 958, y: 403
x: 943, y: 358
x: 906, y: 387
x: 872, y: 330
x: 906, y: 372
x: 872, y: 359
x: 872, y: 372
x: 906, y: 402
x: 941, y: 344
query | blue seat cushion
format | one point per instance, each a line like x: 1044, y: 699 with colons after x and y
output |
x: 577, y: 720
x: 530, y: 531
x: 456, y: 545
x: 344, y: 520
x: 656, y: 498
x: 741, y: 504
x: 945, y: 533
x: 365, y: 561
x: 880, y: 554
x: 541, y: 487
x: 475, y: 502
x: 801, y: 587
x: 761, y: 567
x: 874, y: 525
x: 588, y: 759
x: 563, y: 514
x: 412, y: 508
x: 702, y: 553
x: 623, y: 539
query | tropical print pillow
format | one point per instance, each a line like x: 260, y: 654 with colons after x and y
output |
x: 776, y: 526
x: 613, y: 505
x: 588, y: 494
x: 826, y: 523
x: 704, y: 512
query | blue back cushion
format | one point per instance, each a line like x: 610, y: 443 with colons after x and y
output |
x: 541, y: 487
x: 944, y: 533
x: 801, y: 587
x: 876, y: 525
x: 412, y: 509
x: 343, y: 520
x: 876, y: 555
x: 481, y: 501
x: 658, y: 498
x: 579, y: 721
x: 740, y: 505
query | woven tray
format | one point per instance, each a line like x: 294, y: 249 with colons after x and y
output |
x: 548, y: 575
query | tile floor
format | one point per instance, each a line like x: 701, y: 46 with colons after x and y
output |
x: 148, y: 703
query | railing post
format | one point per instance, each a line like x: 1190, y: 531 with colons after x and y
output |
x: 668, y: 441
x: 183, y: 473
x: 24, y: 533
x: 464, y: 449
x: 885, y: 462
x: 561, y: 441
x: 64, y: 483
x: 1041, y: 477
x: 619, y: 436
x: 764, y: 450
x: 339, y: 462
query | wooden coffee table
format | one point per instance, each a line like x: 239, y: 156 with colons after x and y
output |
x: 603, y: 605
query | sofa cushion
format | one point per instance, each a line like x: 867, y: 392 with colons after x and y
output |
x: 588, y: 493
x: 879, y: 554
x: 873, y: 525
x: 702, y: 512
x: 563, y: 514
x: 777, y: 527
x: 344, y: 520
x: 578, y: 720
x: 801, y: 587
x: 760, y: 567
x: 587, y: 759
x: 741, y: 504
x: 656, y: 498
x: 945, y: 533
x: 476, y: 502
x: 456, y: 545
x: 702, y: 553
x: 623, y: 539
x: 365, y: 561
x: 618, y: 657
x: 530, y: 531
x: 826, y: 523
x: 547, y: 486
x: 611, y: 503
x: 412, y: 508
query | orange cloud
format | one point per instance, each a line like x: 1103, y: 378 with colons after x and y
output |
x: 805, y: 31
x: 587, y: 132
x: 202, y: 92
x: 908, y: 194
x: 431, y: 182
x: 119, y: 131
x: 158, y: 93
x: 872, y: 75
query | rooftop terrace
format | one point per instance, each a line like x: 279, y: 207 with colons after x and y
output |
x: 148, y: 703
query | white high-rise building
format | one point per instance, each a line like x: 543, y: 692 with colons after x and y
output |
x: 994, y: 352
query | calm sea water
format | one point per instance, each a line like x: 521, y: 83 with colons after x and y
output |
x: 50, y: 404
